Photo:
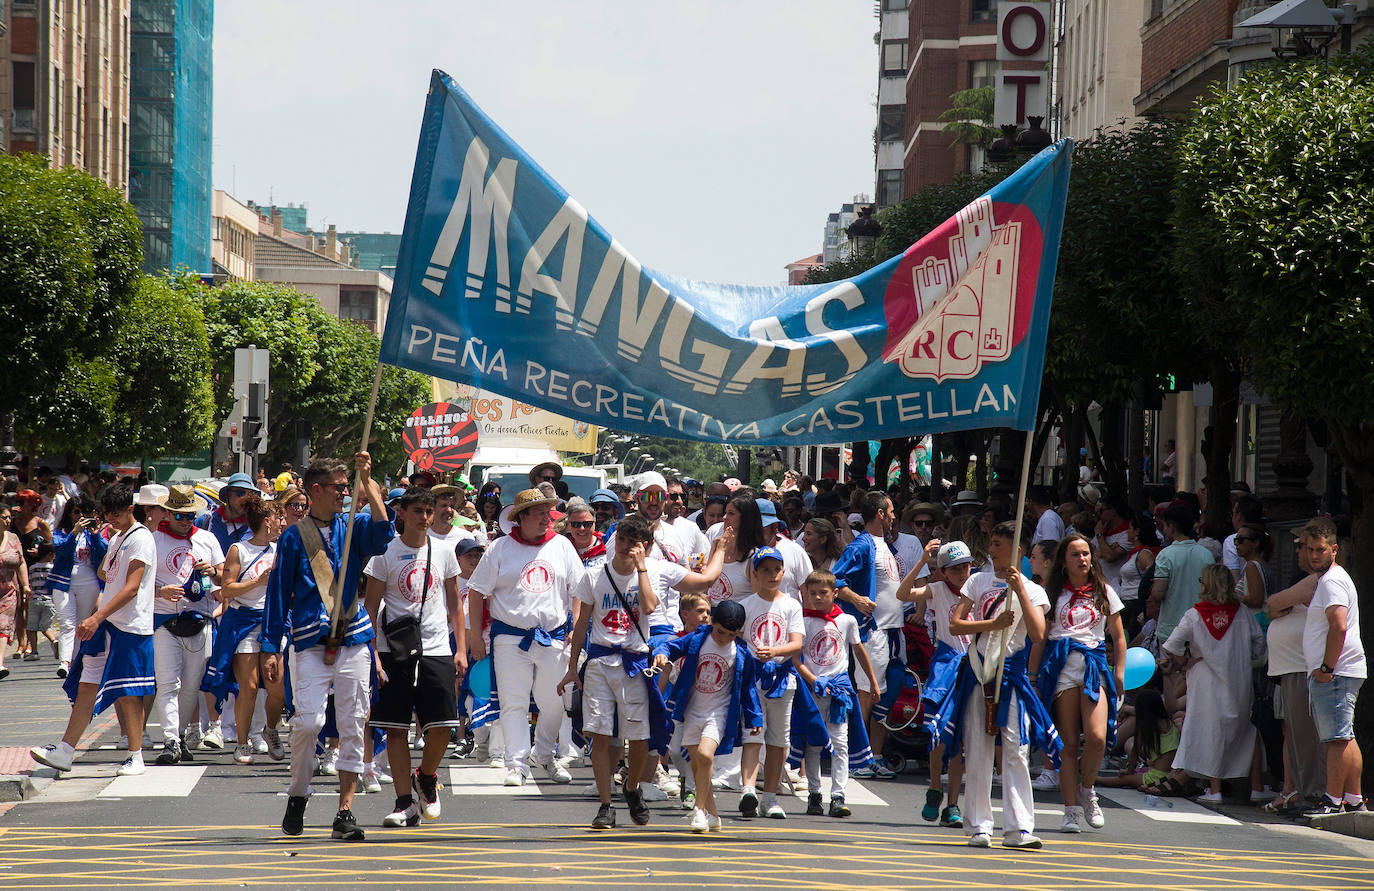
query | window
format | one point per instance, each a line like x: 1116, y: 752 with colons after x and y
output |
x: 894, y: 57
x: 22, y: 74
x: 358, y: 305
x: 891, y: 123
x: 982, y: 73
x: 889, y: 187
x: 895, y: 5
x: 982, y: 11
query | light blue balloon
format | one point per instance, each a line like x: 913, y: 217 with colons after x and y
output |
x: 1140, y: 667
x: 479, y: 679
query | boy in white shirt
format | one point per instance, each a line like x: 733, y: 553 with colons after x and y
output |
x: 831, y: 635
x: 968, y: 712
x: 714, y: 698
x: 774, y: 632
x: 417, y: 579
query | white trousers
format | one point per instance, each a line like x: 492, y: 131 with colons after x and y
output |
x: 522, y: 674
x: 311, y: 681
x: 179, y: 664
x: 839, y: 756
x: 1018, y: 802
x: 73, y: 607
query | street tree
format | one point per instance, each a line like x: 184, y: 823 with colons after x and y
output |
x: 1280, y: 170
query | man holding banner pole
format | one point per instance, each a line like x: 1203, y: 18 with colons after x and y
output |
x: 313, y: 589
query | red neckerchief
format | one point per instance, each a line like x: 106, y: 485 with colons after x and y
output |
x: 597, y: 549
x: 166, y: 529
x: 548, y: 534
x: 822, y: 614
x: 1119, y: 529
x: 1136, y: 550
x: 1085, y: 591
x: 1217, y: 617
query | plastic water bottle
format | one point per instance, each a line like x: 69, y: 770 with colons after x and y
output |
x: 1154, y: 801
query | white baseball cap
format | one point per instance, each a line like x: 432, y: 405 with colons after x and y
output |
x: 648, y: 480
x: 955, y: 553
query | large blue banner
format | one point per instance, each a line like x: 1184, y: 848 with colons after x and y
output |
x: 506, y: 283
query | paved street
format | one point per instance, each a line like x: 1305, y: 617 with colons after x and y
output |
x: 215, y: 823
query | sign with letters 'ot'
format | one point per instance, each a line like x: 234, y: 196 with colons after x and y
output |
x: 504, y: 282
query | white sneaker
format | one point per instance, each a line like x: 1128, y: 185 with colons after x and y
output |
x: 514, y: 777
x: 403, y: 816
x: 701, y: 821
x: 714, y: 821
x: 497, y: 761
x: 213, y: 738
x: 571, y: 762
x: 557, y: 773
x: 380, y: 773
x: 329, y: 762
x: 1073, y: 819
x: 671, y: 787
x: 243, y: 755
x: 774, y: 811
x: 1092, y: 810
x: 192, y: 737
x: 132, y: 766
x: 652, y: 792
x: 590, y: 791
x: 275, y: 749
x: 980, y: 840
x: 258, y: 743
x: 1048, y: 781
x: 54, y: 755
x: 371, y: 782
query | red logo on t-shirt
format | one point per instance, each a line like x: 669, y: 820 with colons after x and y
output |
x: 1078, y: 613
x: 721, y: 590
x: 179, y: 561
x: 823, y: 650
x: 767, y: 631
x: 412, y: 581
x: 537, y: 577
x: 711, y: 673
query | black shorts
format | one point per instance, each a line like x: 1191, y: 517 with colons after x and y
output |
x: 431, y: 697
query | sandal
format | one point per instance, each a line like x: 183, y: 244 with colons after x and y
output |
x: 1170, y: 787
x: 1279, y: 803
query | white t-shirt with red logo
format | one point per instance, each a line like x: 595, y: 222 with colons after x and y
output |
x: 887, y: 576
x: 1077, y: 617
x: 943, y: 602
x: 771, y: 623
x: 175, y: 558
x: 608, y: 625
x: 826, y: 648
x: 733, y: 583
x: 254, y: 562
x: 401, y: 568
x: 530, y: 586
x: 985, y: 589
x: 134, y: 544
x: 714, y: 682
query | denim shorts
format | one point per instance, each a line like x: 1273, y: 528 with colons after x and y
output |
x: 1333, y: 706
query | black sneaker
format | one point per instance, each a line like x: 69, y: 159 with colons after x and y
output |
x: 406, y: 813
x: 1325, y: 808
x: 1355, y: 808
x: 838, y: 807
x: 185, y: 752
x: 749, y: 804
x: 634, y: 800
x: 171, y: 752
x: 346, y: 828
x: 813, y: 805
x: 294, y: 821
x: 951, y: 818
x: 605, y: 818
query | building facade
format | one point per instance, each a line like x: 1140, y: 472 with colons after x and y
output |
x: 889, y: 137
x: 64, y: 83
x: 170, y: 130
x: 1098, y: 66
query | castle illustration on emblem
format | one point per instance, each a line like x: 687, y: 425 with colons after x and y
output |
x: 966, y: 300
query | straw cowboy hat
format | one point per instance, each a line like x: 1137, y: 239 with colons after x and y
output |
x: 179, y: 499
x: 510, y: 514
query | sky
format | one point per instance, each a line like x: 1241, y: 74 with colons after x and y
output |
x: 711, y: 138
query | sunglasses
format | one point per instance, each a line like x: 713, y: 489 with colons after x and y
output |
x: 582, y: 524
x: 651, y: 496
x: 918, y: 523
x: 183, y: 516
x: 298, y: 508
x: 675, y: 496
x: 1246, y: 538
x: 337, y: 487
x: 548, y: 479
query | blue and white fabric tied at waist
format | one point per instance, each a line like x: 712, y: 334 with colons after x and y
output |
x: 1096, y: 675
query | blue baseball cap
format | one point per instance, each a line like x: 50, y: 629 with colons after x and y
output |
x: 241, y: 481
x: 765, y: 554
x: 394, y: 494
x: 767, y: 511
x: 606, y: 496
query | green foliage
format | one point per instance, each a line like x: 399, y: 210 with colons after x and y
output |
x: 1276, y: 194
x: 321, y: 370
x: 969, y: 117
x: 70, y: 252
x: 162, y: 358
x: 906, y: 223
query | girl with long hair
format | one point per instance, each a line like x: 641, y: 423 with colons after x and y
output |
x: 821, y: 542
x: 1074, y: 675
x: 742, y: 515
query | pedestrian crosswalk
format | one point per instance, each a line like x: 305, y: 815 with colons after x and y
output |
x: 482, y: 779
x: 157, y: 782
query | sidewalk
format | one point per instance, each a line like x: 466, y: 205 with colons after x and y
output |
x: 35, y: 712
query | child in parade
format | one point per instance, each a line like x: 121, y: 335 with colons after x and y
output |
x: 953, y: 565
x: 973, y: 713
x: 715, y: 699
x: 774, y: 632
x: 1073, y: 673
x: 831, y: 635
x: 694, y: 609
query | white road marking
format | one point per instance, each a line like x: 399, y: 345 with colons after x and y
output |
x: 172, y: 781
x: 854, y: 793
x: 484, y: 780
x: 1183, y: 810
